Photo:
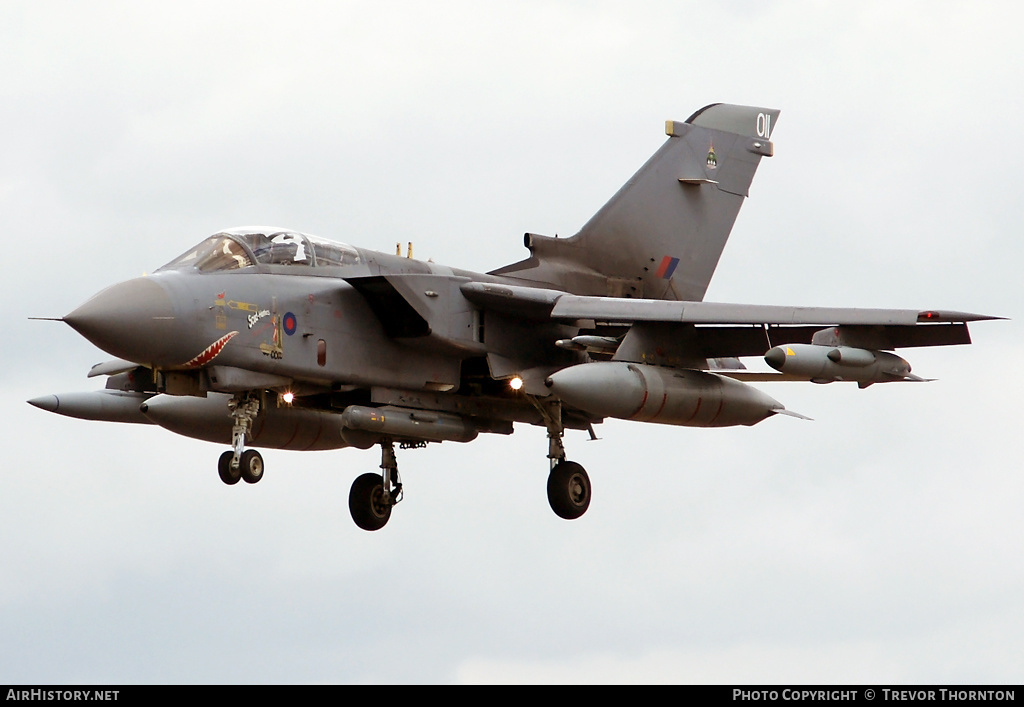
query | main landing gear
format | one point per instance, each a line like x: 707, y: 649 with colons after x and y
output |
x: 373, y: 495
x: 240, y: 463
x: 568, y: 483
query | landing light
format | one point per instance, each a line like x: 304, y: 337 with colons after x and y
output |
x: 516, y: 383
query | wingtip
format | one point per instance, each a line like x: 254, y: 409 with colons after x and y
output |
x: 935, y: 316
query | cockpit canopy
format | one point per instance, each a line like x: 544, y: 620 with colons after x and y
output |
x: 242, y: 247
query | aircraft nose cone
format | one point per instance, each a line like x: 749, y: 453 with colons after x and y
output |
x: 133, y: 320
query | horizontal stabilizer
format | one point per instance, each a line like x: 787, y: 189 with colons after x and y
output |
x: 766, y: 377
x: 760, y: 376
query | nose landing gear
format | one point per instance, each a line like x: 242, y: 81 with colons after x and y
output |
x: 240, y: 463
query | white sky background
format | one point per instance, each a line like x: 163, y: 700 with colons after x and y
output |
x: 880, y: 543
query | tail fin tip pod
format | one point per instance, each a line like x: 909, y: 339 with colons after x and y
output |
x: 662, y: 234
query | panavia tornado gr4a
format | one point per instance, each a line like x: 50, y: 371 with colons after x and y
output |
x: 266, y: 337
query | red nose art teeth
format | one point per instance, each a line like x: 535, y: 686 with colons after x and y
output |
x: 211, y: 351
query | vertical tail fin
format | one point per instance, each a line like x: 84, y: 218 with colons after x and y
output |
x: 662, y: 234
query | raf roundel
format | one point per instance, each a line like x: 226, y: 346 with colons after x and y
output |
x: 289, y: 324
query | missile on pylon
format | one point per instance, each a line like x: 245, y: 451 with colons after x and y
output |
x: 368, y: 424
x: 826, y: 364
x: 631, y: 391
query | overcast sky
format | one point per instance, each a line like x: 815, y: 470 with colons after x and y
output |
x: 880, y: 543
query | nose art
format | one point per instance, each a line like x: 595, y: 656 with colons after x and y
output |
x: 134, y: 320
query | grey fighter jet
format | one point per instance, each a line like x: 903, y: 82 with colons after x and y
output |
x: 267, y: 337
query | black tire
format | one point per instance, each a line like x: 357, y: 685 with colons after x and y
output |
x: 251, y: 466
x: 228, y: 475
x: 569, y: 490
x: 366, y: 502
